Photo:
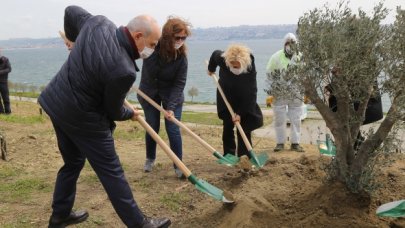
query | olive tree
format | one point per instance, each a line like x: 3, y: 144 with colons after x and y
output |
x: 193, y: 92
x: 353, y: 52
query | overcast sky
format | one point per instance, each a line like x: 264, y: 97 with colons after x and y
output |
x: 43, y: 18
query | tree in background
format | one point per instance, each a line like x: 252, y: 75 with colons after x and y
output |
x: 193, y: 92
x: 353, y: 52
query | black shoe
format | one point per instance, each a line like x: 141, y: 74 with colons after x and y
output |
x: 296, y: 147
x: 73, y: 218
x: 156, y: 223
x: 279, y: 147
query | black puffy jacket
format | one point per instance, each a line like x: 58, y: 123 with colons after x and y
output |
x: 88, y: 92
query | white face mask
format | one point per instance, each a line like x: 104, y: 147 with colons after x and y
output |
x: 178, y: 45
x: 236, y: 71
x: 288, y: 50
x: 146, y: 52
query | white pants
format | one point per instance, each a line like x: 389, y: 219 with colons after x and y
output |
x: 293, y: 109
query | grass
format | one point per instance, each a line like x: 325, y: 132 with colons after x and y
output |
x: 7, y: 171
x: 22, y: 119
x: 23, y: 189
x: 25, y: 94
x: 129, y: 134
x: 201, y: 118
x: 90, y: 178
x: 21, y: 221
x: 173, y: 201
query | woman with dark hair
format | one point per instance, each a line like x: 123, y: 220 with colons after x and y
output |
x: 164, y: 76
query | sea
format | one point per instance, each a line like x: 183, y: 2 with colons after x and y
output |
x: 37, y: 66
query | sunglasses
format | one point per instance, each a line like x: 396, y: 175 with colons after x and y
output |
x: 178, y: 38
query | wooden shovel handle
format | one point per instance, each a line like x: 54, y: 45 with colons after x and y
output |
x: 161, y: 143
x: 175, y: 121
x: 241, y: 132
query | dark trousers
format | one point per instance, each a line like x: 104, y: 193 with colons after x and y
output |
x: 152, y: 116
x: 5, y: 98
x: 101, y: 154
x: 228, y: 139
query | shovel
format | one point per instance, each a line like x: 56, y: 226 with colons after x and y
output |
x: 228, y: 159
x: 201, y: 185
x: 258, y: 161
x: 327, y: 147
x: 393, y: 209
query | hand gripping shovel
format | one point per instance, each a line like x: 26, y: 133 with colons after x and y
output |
x: 201, y: 185
x: 228, y: 159
x: 258, y: 161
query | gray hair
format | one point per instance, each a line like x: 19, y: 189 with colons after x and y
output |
x: 142, y: 23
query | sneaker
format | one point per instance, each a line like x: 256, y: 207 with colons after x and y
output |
x: 279, y: 147
x: 179, y: 174
x: 156, y: 222
x: 296, y: 147
x: 149, y: 163
x: 73, y: 218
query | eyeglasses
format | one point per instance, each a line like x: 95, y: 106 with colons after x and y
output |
x: 178, y: 38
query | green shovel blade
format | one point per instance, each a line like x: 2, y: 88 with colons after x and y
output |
x: 228, y: 159
x: 326, y: 148
x: 258, y: 160
x: 209, y: 189
x: 393, y: 209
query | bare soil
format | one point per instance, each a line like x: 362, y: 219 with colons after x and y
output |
x: 290, y: 191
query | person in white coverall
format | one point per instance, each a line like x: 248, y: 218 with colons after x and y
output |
x: 287, y: 99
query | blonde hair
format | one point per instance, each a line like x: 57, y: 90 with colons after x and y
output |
x: 240, y: 53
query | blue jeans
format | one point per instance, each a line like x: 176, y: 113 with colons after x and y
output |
x: 152, y: 116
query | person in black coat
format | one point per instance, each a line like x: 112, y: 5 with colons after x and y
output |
x: 164, y: 76
x: 5, y: 69
x: 374, y: 111
x: 84, y: 99
x: 237, y: 77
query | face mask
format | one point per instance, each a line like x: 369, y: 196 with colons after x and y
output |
x: 178, y: 45
x: 146, y: 52
x: 288, y: 50
x: 236, y: 71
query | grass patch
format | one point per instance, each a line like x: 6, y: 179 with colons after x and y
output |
x: 23, y: 189
x: 21, y: 221
x: 201, y: 118
x: 22, y: 119
x: 93, y: 221
x: 144, y: 183
x: 7, y: 171
x: 25, y: 94
x: 173, y: 201
x: 134, y: 133
x: 90, y: 178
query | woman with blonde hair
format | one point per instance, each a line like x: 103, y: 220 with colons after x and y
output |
x: 237, y: 77
x: 164, y: 76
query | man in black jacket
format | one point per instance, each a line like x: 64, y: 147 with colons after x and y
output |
x: 5, y: 68
x: 84, y: 99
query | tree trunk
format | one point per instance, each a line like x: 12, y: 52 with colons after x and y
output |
x: 3, y: 147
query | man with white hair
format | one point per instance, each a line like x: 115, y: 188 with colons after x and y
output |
x: 287, y: 99
x: 85, y: 98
